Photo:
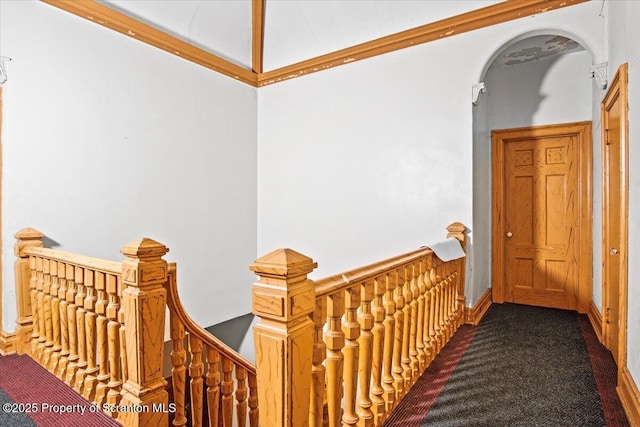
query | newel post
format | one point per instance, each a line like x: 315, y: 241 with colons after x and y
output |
x: 25, y: 238
x: 457, y: 230
x: 144, y: 300
x: 284, y: 299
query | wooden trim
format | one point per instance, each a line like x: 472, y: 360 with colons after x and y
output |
x: 257, y: 34
x: 629, y: 397
x: 100, y: 14
x: 619, y: 81
x: 473, y: 315
x: 474, y: 20
x: 583, y: 131
x: 7, y: 343
x: 595, y: 318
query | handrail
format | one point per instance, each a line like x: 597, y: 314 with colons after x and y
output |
x: 175, y: 305
x: 340, y: 281
x: 102, y: 265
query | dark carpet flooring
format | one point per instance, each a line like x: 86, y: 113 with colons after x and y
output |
x: 525, y: 366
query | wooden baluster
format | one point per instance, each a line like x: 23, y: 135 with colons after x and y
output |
x: 42, y: 331
x: 48, y: 314
x: 334, y: 338
x: 284, y: 299
x: 458, y: 230
x: 80, y: 324
x: 433, y: 316
x: 365, y: 357
x: 426, y: 337
x: 213, y: 387
x: 227, y: 392
x: 25, y: 287
x: 378, y: 313
x: 398, y: 380
x: 196, y: 372
x: 253, y: 401
x: 406, y: 330
x: 420, y: 319
x: 389, y: 341
x: 33, y: 284
x: 122, y: 333
x: 55, y: 317
x: 144, y: 300
x: 102, y: 341
x: 178, y: 370
x: 241, y: 395
x: 113, y: 335
x: 351, y: 330
x: 91, y: 373
x: 413, y: 332
x: 72, y: 366
x: 64, y: 325
x: 440, y: 304
x: 446, y: 286
x: 316, y: 408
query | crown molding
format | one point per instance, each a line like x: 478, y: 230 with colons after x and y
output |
x: 474, y: 20
x: 123, y: 24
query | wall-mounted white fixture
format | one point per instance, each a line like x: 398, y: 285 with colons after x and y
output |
x: 3, y: 69
x: 599, y: 72
x: 476, y: 90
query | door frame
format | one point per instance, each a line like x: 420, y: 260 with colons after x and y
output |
x: 499, y: 138
x: 617, y: 88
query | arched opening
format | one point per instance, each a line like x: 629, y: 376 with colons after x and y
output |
x: 538, y: 78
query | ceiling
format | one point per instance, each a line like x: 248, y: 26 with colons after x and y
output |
x: 265, y: 41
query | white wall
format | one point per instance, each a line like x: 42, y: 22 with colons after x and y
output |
x: 548, y: 91
x: 107, y: 139
x: 370, y: 159
x: 624, y: 46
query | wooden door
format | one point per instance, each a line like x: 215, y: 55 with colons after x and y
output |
x: 541, y: 204
x: 614, y: 250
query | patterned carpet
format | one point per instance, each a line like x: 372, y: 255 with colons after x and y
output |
x: 31, y: 396
x: 525, y: 366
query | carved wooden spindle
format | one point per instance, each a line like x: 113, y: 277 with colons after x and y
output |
x: 42, y: 332
x: 437, y: 296
x: 55, y: 316
x: 64, y: 326
x: 241, y: 395
x: 113, y: 335
x: 48, y: 317
x: 33, y: 285
x: 102, y: 341
x: 144, y: 299
x: 431, y: 286
x: 351, y: 329
x: 25, y: 239
x: 413, y: 331
x: 316, y: 407
x: 91, y: 372
x: 365, y: 342
x: 124, y: 361
x: 406, y: 330
x: 334, y: 338
x: 398, y: 379
x: 227, y: 391
x: 178, y: 369
x: 213, y: 387
x: 72, y: 366
x: 253, y: 401
x: 284, y: 298
x: 196, y: 372
x: 420, y: 319
x: 80, y: 324
x: 389, y: 341
x: 378, y: 312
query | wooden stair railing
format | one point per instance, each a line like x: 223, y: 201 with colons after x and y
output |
x: 343, y: 351
x: 229, y: 378
x: 96, y: 324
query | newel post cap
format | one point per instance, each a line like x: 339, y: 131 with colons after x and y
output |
x: 27, y: 238
x: 285, y: 263
x: 144, y: 248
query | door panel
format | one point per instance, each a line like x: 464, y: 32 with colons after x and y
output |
x: 539, y: 222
